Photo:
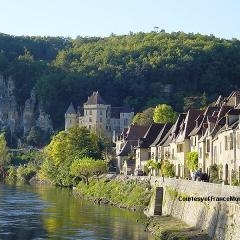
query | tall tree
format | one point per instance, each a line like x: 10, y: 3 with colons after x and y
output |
x: 164, y: 113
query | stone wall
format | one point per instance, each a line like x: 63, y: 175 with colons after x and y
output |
x: 220, y: 219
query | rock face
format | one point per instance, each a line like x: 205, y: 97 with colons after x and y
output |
x: 13, y: 118
x: 9, y: 115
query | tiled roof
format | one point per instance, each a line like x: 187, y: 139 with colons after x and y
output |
x: 162, y: 134
x: 94, y: 99
x: 128, y: 147
x: 150, y: 135
x: 135, y: 131
x: 71, y: 109
x: 115, y: 111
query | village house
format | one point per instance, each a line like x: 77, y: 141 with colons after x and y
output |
x: 125, y: 144
x: 98, y: 116
x: 180, y: 146
x: 143, y: 150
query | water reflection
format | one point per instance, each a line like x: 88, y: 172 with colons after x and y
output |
x: 28, y: 212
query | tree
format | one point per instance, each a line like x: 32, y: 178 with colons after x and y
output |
x: 87, y: 167
x: 65, y: 147
x: 192, y: 161
x: 164, y: 113
x: 144, y: 118
x: 167, y: 169
x: 4, y: 156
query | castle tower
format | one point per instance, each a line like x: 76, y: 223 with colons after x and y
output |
x: 70, y: 117
x: 97, y: 114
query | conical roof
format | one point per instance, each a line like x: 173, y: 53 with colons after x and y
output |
x: 94, y: 99
x: 71, y: 109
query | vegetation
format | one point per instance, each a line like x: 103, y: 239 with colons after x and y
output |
x: 65, y: 148
x: 130, y: 194
x: 142, y: 69
x: 164, y: 113
x: 144, y: 118
x: 167, y: 169
x: 214, y: 173
x: 88, y: 167
x: 4, y: 156
x: 192, y: 161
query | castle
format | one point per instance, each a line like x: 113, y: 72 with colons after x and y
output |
x: 98, y: 116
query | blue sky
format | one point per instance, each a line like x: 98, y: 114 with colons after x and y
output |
x: 70, y: 18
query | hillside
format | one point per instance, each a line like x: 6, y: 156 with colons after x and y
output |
x: 141, y: 69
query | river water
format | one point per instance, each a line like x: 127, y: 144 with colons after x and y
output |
x: 43, y: 212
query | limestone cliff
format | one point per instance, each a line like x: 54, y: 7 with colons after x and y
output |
x: 20, y: 119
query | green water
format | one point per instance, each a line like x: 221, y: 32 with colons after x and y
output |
x: 42, y: 212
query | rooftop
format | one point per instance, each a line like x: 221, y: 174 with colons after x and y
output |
x: 95, y: 99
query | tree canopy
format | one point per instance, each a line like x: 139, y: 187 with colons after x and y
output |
x: 65, y: 147
x: 142, y: 69
x: 164, y: 113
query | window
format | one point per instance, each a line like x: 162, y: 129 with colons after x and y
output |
x: 180, y: 148
x: 226, y: 143
x: 89, y: 126
x: 208, y: 145
x: 90, y: 112
x: 231, y: 141
x: 238, y: 140
x: 100, y: 119
x: 90, y: 119
x: 125, y: 121
x: 200, y: 152
x: 101, y: 112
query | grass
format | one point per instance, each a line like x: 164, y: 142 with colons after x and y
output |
x: 129, y: 194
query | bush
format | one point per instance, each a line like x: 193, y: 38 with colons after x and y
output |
x: 25, y: 172
x: 167, y: 169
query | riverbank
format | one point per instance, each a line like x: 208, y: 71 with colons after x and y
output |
x: 135, y: 195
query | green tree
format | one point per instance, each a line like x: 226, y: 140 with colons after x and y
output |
x: 87, y: 167
x: 4, y: 156
x: 192, y: 161
x: 144, y: 118
x: 164, y: 113
x: 167, y: 169
x: 65, y: 147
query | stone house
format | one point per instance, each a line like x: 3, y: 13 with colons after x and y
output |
x: 126, y: 142
x: 143, y: 150
x: 156, y: 150
x: 99, y: 116
x: 181, y: 144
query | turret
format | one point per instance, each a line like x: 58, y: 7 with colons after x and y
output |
x: 70, y: 117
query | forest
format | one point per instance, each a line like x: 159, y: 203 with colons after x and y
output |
x: 137, y: 69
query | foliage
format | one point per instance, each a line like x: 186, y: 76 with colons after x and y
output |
x: 142, y: 69
x: 64, y: 148
x: 144, y: 118
x: 192, y: 161
x: 37, y: 137
x: 25, y: 172
x: 130, y: 194
x: 214, y: 173
x: 164, y: 113
x: 88, y: 167
x: 4, y: 156
x: 167, y: 169
x: 234, y: 178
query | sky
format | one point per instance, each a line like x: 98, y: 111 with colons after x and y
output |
x: 71, y: 18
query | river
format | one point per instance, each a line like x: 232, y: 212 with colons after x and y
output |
x: 43, y: 212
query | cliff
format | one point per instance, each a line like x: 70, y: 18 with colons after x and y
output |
x: 16, y: 119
